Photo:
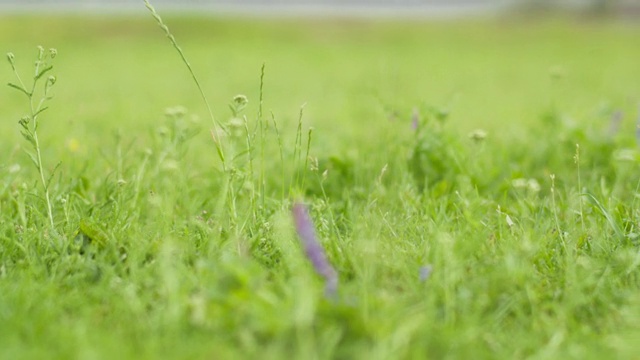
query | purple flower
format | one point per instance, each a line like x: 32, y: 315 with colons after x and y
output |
x: 638, y: 128
x: 415, y: 118
x: 313, y: 248
x: 425, y: 272
x: 614, y: 124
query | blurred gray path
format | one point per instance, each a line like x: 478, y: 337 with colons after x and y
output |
x: 377, y: 8
x: 374, y: 8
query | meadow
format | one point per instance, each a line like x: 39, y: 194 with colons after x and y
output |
x: 474, y: 184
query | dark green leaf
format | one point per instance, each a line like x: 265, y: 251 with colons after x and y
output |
x: 42, y: 72
x: 34, y: 160
x: 19, y: 88
x: 28, y: 137
x: 52, y: 173
x: 93, y: 232
x: 40, y: 110
x: 606, y: 214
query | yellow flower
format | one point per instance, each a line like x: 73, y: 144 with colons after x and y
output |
x: 73, y: 145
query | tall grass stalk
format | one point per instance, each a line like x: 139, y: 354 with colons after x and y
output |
x: 262, y: 124
x: 249, y: 137
x: 577, y: 161
x: 281, y: 151
x: 306, y: 157
x: 297, y: 150
x: 555, y: 208
x: 173, y: 41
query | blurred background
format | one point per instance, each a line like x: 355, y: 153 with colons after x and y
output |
x: 361, y: 66
x: 432, y: 8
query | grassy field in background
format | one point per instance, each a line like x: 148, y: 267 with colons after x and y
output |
x: 450, y: 145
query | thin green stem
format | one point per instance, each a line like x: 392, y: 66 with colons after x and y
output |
x: 577, y: 160
x: 555, y: 209
x: 250, y: 156
x: 281, y: 148
x: 34, y: 120
x: 297, y: 150
x: 44, y: 182
x: 173, y: 41
x: 306, y: 157
x: 262, y: 124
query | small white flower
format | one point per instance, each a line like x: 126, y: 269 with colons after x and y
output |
x: 533, y: 185
x: 14, y: 168
x: 240, y: 100
x: 519, y: 183
x: 523, y: 183
x: 626, y: 155
x: 175, y: 111
x: 510, y: 222
x: 478, y: 135
x: 313, y: 163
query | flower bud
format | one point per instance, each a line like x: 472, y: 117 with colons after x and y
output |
x: 240, y: 100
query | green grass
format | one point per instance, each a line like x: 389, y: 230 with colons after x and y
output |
x: 158, y: 252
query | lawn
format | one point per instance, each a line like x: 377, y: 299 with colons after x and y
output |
x: 475, y: 185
